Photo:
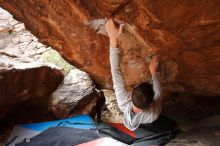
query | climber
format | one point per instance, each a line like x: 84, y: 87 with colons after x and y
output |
x: 142, y: 105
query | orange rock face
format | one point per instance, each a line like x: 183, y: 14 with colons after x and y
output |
x: 186, y: 35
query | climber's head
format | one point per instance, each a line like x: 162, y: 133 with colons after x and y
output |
x: 142, y: 96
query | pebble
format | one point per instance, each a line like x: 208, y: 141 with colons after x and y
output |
x: 13, y: 22
x: 15, y: 40
x: 41, y: 50
x: 39, y: 45
x: 18, y: 27
x: 2, y: 44
x: 24, y: 38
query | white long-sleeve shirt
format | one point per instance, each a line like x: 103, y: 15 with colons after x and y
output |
x: 132, y: 120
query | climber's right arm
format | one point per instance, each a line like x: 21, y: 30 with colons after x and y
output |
x: 121, y: 93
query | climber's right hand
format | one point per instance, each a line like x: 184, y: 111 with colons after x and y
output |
x: 153, y: 65
x: 113, y: 32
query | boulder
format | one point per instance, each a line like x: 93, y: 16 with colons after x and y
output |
x: 22, y: 79
x: 75, y: 95
x: 184, y: 33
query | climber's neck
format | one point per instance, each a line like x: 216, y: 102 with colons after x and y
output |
x: 136, y: 109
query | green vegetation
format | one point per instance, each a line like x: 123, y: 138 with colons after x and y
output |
x: 54, y: 57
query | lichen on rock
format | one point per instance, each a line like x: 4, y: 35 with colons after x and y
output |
x: 54, y: 57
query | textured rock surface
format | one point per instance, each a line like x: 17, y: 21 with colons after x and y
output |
x: 75, y: 95
x: 24, y: 79
x: 111, y: 112
x: 16, y: 40
x: 184, y: 33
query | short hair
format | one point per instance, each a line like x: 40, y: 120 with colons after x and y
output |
x: 142, y: 95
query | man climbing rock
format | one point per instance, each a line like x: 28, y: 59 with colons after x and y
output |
x: 142, y: 105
